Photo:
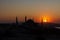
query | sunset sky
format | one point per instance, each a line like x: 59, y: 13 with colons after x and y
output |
x: 9, y: 9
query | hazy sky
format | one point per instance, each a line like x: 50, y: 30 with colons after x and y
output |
x: 9, y: 9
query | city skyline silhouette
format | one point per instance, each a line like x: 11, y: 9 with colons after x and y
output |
x: 9, y: 9
x: 29, y: 19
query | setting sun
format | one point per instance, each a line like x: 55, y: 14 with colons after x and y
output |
x: 45, y: 19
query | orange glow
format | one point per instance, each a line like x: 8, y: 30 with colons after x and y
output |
x: 46, y: 19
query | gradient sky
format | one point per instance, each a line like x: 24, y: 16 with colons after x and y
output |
x: 9, y: 9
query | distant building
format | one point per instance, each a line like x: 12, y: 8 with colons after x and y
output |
x: 30, y: 21
x: 25, y: 18
x: 42, y: 22
x: 16, y: 21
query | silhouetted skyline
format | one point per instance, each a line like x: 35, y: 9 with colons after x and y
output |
x: 9, y: 9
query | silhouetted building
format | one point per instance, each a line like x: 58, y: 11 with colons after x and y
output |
x: 33, y: 18
x: 42, y: 22
x: 25, y: 18
x: 30, y: 21
x: 16, y: 21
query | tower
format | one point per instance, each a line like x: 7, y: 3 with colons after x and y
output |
x: 42, y: 22
x: 16, y: 20
x: 25, y: 18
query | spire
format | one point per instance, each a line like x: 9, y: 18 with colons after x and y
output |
x: 42, y: 22
x: 16, y: 20
x: 25, y: 18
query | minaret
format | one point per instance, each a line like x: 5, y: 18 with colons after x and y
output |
x: 25, y: 18
x: 42, y: 22
x: 16, y: 20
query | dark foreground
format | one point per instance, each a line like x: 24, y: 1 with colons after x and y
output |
x: 28, y: 31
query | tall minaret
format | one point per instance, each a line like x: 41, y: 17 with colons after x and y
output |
x: 25, y: 18
x: 16, y: 20
x: 42, y: 22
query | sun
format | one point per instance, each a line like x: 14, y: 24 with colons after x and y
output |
x: 45, y: 19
